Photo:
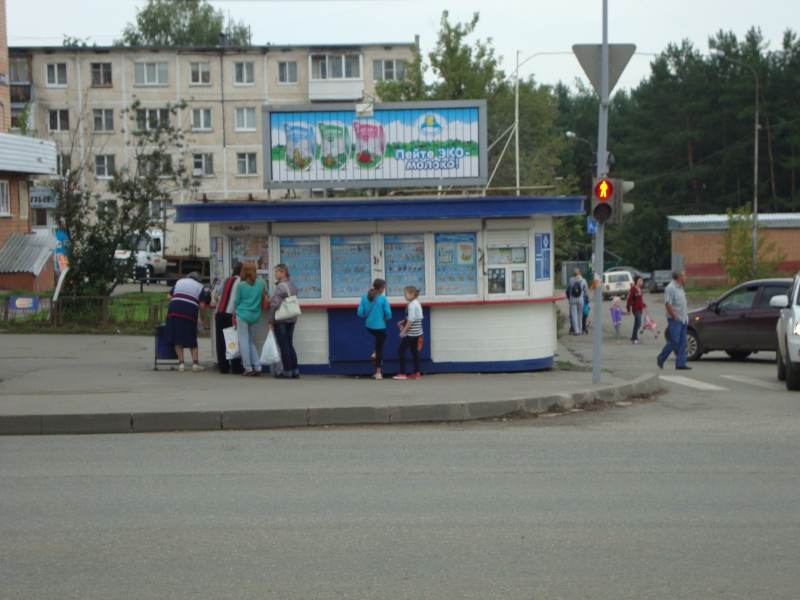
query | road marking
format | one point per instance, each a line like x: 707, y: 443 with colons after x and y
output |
x: 770, y: 385
x: 698, y: 385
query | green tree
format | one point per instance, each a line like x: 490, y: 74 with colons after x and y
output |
x: 95, y: 230
x: 738, y: 249
x: 182, y: 23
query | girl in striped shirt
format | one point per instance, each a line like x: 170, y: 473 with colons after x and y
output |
x: 410, y: 333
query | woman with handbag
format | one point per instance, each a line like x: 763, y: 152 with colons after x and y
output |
x: 375, y: 309
x: 251, y: 298
x: 283, y: 312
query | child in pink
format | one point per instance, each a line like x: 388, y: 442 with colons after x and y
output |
x: 616, y: 317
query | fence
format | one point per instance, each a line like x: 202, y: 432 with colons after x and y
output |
x: 130, y: 311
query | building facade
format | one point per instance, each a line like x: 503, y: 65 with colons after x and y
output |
x: 81, y: 98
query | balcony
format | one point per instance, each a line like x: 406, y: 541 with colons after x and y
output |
x: 21, y: 92
x: 335, y: 89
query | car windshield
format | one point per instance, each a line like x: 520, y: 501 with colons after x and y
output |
x: 618, y: 278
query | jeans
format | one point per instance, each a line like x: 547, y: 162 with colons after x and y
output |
x: 677, y: 341
x: 409, y: 342
x: 576, y: 315
x: 616, y: 331
x: 251, y: 357
x: 637, y: 325
x: 380, y: 338
x: 284, y: 335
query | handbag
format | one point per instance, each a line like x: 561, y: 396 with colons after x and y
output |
x: 232, y: 350
x: 289, y: 308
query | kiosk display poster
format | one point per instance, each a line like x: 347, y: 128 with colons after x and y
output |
x: 497, y: 280
x: 542, y: 256
x: 456, y: 264
x: 217, y: 258
x: 405, y: 263
x: 251, y: 247
x: 351, y: 265
x: 301, y: 255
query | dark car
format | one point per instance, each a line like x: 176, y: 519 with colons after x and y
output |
x: 740, y: 322
x: 659, y: 280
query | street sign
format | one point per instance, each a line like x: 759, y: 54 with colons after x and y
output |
x: 591, y: 225
x: 590, y: 58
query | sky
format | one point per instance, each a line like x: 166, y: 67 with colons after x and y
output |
x: 524, y: 26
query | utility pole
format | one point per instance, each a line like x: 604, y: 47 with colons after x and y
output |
x: 516, y: 118
x: 602, y: 171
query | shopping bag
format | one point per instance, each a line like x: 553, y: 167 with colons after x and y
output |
x: 270, y: 353
x: 231, y: 343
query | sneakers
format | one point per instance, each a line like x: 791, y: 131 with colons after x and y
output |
x: 400, y: 376
x: 197, y: 368
x: 635, y: 342
x: 415, y: 376
x: 377, y: 376
x: 181, y: 368
x: 660, y: 364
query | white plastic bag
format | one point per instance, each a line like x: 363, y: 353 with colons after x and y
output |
x: 270, y: 353
x: 232, y: 350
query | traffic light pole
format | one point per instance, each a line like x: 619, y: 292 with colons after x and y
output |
x: 602, y: 171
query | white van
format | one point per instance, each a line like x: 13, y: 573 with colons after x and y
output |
x: 616, y: 283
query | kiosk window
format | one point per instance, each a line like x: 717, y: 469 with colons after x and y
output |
x: 456, y: 264
x: 405, y: 263
x: 497, y: 281
x: 301, y: 255
x: 251, y: 247
x: 351, y: 265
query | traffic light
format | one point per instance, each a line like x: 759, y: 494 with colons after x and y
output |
x: 621, y: 208
x: 602, y: 199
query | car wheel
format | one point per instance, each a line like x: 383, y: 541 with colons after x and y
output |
x: 781, y: 365
x: 792, y: 372
x: 693, y: 350
x: 738, y: 354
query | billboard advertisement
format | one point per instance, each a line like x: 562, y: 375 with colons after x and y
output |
x: 408, y: 144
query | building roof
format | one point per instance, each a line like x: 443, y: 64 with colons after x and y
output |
x: 404, y: 209
x: 22, y: 154
x: 26, y: 253
x: 200, y: 49
x: 720, y: 222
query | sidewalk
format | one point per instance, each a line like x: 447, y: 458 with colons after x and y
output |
x: 106, y: 384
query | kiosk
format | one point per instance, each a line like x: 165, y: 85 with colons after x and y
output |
x: 484, y: 268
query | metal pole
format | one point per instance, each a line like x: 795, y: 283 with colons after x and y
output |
x: 755, y: 191
x: 516, y: 118
x: 602, y: 170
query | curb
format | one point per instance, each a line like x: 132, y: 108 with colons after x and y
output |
x: 222, y: 420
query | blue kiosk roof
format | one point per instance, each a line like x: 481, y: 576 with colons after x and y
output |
x: 380, y: 209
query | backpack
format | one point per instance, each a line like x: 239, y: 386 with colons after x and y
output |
x: 576, y: 291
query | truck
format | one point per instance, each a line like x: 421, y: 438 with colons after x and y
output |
x: 183, y: 248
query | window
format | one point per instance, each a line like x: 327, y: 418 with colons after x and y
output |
x: 150, y: 118
x: 243, y: 73
x: 103, y: 119
x: 302, y: 255
x: 101, y: 74
x: 246, y: 119
x: 158, y: 208
x: 40, y: 217
x: 104, y: 166
x: 456, y: 264
x: 63, y: 164
x: 18, y: 70
x: 405, y: 262
x: 201, y: 73
x: 107, y: 208
x: 201, y: 119
x: 351, y: 265
x: 770, y: 291
x: 150, y: 73
x: 246, y: 163
x: 388, y: 69
x: 738, y: 300
x: 5, y: 199
x: 59, y: 120
x: 57, y: 74
x: 335, y: 66
x: 203, y: 164
x: 287, y: 71
x: 16, y: 122
x: 507, y: 268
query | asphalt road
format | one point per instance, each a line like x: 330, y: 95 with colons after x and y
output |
x: 691, y: 495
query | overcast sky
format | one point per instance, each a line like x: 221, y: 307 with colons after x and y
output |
x: 515, y: 25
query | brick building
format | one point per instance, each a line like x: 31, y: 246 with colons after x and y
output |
x: 698, y: 243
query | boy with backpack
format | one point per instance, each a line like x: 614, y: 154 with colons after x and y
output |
x: 577, y: 288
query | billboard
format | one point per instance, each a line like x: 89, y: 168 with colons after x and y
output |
x: 404, y: 144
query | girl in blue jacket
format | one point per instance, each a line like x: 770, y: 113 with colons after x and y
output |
x: 375, y: 309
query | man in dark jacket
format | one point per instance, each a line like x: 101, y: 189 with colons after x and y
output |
x: 223, y: 319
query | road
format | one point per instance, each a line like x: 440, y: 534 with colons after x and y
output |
x: 690, y: 495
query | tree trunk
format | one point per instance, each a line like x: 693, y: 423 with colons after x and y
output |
x: 695, y: 187
x: 771, y: 166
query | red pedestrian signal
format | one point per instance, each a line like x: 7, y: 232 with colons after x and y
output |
x: 602, y: 199
x: 604, y: 190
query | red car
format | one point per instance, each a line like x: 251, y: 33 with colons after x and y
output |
x: 740, y: 322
